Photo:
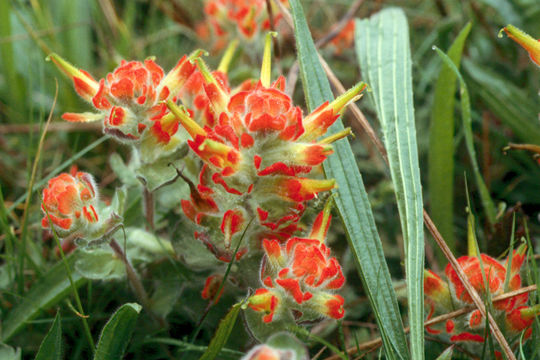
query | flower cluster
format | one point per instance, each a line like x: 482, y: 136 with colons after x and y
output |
x: 245, y: 17
x: 256, y: 157
x: 130, y: 100
x: 70, y: 201
x: 526, y: 41
x: 487, y: 276
x: 300, y: 275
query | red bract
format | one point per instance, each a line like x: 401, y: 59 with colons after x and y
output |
x: 302, y: 272
x: 130, y: 99
x: 257, y: 157
x: 345, y: 38
x: 212, y: 286
x: 70, y: 201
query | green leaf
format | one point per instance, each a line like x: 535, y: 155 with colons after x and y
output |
x: 441, y: 146
x: 126, y: 174
x: 383, y: 51
x: 222, y: 334
x: 485, y: 197
x: 352, y: 200
x: 8, y: 353
x: 100, y: 264
x: 46, y: 292
x: 287, y: 341
x: 117, y: 332
x: 262, y: 331
x: 51, y: 347
x: 446, y: 354
x: 514, y: 106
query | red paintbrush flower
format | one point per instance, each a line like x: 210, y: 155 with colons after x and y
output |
x: 302, y: 272
x: 257, y: 155
x: 70, y: 201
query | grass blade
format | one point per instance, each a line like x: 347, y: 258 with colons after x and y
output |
x: 487, y: 203
x: 441, y: 146
x: 51, y: 347
x: 46, y: 292
x: 352, y: 201
x: 514, y: 106
x: 222, y: 334
x: 117, y: 332
x: 383, y: 51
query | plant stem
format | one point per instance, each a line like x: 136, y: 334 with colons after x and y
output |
x: 149, y: 208
x: 73, y: 287
x: 135, y: 282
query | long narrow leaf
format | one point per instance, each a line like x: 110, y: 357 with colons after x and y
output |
x: 441, y: 145
x: 47, y: 291
x: 51, y: 347
x: 485, y: 197
x: 222, y: 334
x: 352, y: 201
x: 383, y: 50
x: 116, y: 333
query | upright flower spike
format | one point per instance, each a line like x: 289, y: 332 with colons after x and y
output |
x: 256, y: 162
x: 70, y: 201
x: 304, y: 275
x: 485, y: 274
x: 526, y: 41
x: 130, y: 101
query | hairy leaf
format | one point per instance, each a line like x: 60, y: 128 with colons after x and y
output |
x: 352, y: 200
x: 383, y: 50
x: 441, y: 145
x: 116, y: 333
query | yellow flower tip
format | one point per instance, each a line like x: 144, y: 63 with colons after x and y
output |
x: 185, y: 120
x: 203, y: 68
x: 525, y: 40
x: 522, y: 249
x: 197, y: 54
x: 266, y: 68
x: 84, y: 84
x: 63, y: 65
x: 349, y: 96
x: 228, y: 56
x: 531, y: 312
x: 337, y: 136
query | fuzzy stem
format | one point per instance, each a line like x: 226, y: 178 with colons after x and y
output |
x: 149, y: 208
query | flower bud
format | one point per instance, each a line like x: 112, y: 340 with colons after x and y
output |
x: 265, y: 301
x: 263, y: 352
x: 211, y: 287
x: 70, y: 201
